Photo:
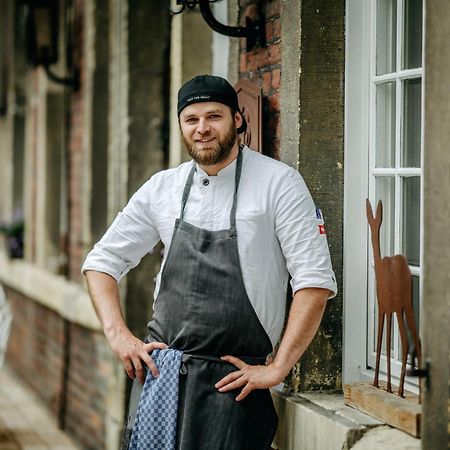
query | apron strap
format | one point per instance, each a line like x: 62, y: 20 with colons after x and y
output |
x: 187, y: 189
x: 236, y: 185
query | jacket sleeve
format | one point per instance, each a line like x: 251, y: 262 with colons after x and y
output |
x: 302, y: 237
x: 131, y: 235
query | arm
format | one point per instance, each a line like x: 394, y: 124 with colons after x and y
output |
x: 305, y: 315
x: 130, y: 350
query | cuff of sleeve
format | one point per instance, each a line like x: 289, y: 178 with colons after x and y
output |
x: 102, y: 269
x: 330, y: 285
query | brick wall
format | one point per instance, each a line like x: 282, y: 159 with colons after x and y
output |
x: 87, y: 387
x: 263, y: 67
x: 40, y: 339
x: 35, y: 348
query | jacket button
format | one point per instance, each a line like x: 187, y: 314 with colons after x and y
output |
x: 205, y: 182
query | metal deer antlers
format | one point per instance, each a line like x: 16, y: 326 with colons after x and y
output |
x: 394, y: 295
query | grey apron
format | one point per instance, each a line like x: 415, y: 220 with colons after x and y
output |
x: 203, y: 309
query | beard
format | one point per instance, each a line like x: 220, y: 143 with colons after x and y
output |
x: 216, y: 153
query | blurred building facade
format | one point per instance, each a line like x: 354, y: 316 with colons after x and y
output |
x: 344, y: 99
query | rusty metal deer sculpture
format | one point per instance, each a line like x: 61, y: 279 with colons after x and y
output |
x: 394, y: 289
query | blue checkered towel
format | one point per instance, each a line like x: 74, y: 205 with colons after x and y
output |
x: 156, y: 419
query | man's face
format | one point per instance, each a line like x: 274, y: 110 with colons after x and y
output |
x: 209, y: 131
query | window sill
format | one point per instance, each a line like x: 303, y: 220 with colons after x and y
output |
x: 69, y: 299
x: 321, y: 420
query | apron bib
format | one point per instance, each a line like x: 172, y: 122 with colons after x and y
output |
x: 203, y: 309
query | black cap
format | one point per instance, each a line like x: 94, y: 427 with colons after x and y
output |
x: 209, y: 88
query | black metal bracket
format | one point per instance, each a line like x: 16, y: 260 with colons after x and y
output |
x: 254, y: 31
x: 419, y: 372
x: 73, y: 81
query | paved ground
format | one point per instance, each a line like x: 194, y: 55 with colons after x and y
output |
x: 25, y: 423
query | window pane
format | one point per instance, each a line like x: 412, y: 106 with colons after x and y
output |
x: 385, y: 125
x: 416, y: 310
x: 411, y: 220
x: 386, y: 36
x: 385, y: 191
x: 412, y: 122
x: 412, y: 37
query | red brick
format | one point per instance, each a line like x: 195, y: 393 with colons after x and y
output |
x: 273, y: 9
x: 274, y: 56
x: 251, y: 11
x: 273, y: 30
x: 277, y: 29
x: 269, y: 31
x: 252, y: 61
x: 243, y: 62
x: 273, y: 102
x: 276, y: 76
x: 266, y: 82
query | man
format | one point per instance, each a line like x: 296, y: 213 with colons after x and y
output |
x: 234, y: 224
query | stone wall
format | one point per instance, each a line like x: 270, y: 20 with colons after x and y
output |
x: 321, y: 162
x: 67, y: 365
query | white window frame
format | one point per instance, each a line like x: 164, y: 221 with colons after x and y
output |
x: 359, y: 184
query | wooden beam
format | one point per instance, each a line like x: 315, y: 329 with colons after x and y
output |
x: 401, y: 413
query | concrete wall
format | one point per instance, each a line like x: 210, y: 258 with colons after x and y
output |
x: 321, y: 155
x: 436, y: 245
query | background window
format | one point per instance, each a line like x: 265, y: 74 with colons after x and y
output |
x: 395, y: 147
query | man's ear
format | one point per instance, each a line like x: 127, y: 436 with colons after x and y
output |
x: 238, y: 119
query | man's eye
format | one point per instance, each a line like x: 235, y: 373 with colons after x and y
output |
x: 191, y: 120
x: 214, y: 116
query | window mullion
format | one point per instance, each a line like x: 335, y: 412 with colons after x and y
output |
x: 400, y: 34
x: 403, y: 74
x: 398, y: 152
x: 371, y: 188
x: 398, y: 179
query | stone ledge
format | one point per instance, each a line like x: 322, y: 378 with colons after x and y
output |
x: 321, y: 421
x: 69, y: 299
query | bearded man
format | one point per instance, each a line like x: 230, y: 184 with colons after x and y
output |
x: 235, y: 225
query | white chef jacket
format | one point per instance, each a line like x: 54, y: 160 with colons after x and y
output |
x: 279, y: 231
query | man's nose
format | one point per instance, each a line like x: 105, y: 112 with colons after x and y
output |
x: 203, y: 126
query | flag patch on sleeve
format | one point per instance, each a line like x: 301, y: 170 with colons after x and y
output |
x: 320, y: 220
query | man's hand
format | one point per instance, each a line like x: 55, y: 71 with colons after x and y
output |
x: 134, y: 353
x: 251, y: 377
x: 305, y: 315
x: 128, y: 348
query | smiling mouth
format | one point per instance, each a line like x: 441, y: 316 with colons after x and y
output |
x: 206, y: 140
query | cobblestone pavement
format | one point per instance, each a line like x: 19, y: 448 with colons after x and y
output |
x: 25, y: 423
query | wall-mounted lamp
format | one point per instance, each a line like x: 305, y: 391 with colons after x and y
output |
x: 42, y: 39
x: 254, y: 31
